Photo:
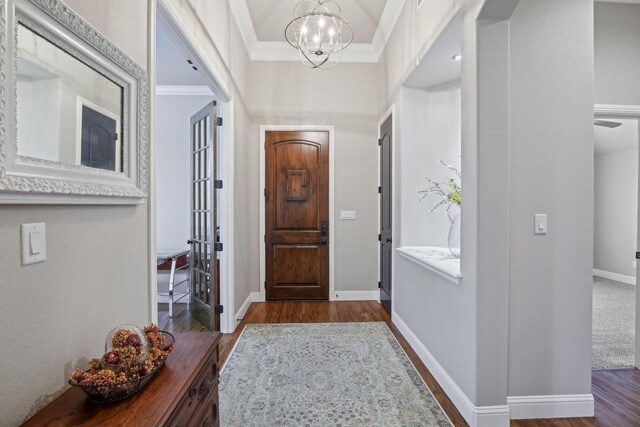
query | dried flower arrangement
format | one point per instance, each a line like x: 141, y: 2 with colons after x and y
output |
x: 450, y: 191
x: 128, y: 359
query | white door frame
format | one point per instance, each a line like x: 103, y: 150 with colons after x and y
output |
x: 628, y: 112
x: 263, y: 130
x: 162, y: 12
x: 394, y: 233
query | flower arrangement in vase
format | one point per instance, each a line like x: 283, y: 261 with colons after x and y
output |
x: 449, y: 193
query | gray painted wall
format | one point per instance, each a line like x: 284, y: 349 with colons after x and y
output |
x: 173, y: 165
x: 96, y: 275
x: 617, y: 53
x: 617, y: 38
x: 551, y: 171
x: 285, y: 93
x: 431, y: 128
x: 523, y: 313
x: 615, y: 215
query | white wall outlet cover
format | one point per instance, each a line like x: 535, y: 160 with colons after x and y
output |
x: 348, y: 215
x: 540, y: 224
x: 34, y: 243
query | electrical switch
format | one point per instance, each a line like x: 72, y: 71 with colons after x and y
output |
x: 34, y: 243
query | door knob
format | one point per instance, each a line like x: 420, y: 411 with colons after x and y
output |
x: 388, y: 240
x: 324, y: 231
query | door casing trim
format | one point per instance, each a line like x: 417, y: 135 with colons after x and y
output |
x: 163, y: 11
x: 394, y: 234
x: 306, y: 128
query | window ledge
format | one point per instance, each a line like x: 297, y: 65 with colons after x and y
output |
x: 437, y: 260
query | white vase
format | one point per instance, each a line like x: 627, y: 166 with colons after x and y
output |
x: 454, y: 237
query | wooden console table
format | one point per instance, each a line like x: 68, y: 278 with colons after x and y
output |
x: 183, y: 393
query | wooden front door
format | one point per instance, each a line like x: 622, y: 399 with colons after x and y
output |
x: 297, y: 215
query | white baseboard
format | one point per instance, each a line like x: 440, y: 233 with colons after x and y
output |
x: 630, y: 280
x: 561, y: 406
x: 252, y: 297
x: 476, y: 416
x: 356, y: 296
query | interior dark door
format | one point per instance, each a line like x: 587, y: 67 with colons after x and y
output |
x: 386, y: 244
x: 99, y: 139
x: 205, y: 287
x: 297, y: 215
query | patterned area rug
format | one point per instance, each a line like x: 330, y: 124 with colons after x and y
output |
x: 338, y: 374
x: 614, y: 313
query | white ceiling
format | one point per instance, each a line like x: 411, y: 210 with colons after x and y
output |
x: 172, y: 66
x: 438, y: 66
x: 262, y: 24
x: 270, y: 17
x: 611, y: 140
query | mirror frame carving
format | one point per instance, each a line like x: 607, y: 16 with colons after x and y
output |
x: 29, y: 180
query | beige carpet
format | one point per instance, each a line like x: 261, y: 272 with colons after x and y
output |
x: 614, y: 310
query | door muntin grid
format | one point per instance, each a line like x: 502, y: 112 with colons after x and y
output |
x: 203, y: 218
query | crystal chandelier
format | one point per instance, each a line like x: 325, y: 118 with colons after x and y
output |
x: 319, y: 33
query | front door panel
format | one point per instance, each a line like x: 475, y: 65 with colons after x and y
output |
x: 297, y: 215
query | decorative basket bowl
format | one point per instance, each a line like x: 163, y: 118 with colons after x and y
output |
x: 110, y: 393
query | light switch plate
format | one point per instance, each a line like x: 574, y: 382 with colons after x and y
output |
x: 540, y: 224
x: 348, y: 215
x: 34, y: 243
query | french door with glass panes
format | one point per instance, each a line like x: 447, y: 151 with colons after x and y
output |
x: 205, y: 245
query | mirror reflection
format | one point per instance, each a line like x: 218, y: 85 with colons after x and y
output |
x: 67, y: 112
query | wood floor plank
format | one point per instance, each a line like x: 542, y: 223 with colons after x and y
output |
x: 616, y: 392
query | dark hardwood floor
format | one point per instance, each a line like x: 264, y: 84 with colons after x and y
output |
x: 182, y: 320
x: 616, y: 392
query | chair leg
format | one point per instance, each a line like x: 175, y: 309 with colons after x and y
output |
x: 171, y: 282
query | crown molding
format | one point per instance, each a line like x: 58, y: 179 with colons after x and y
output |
x: 168, y: 90
x: 282, y: 51
x: 240, y: 12
x: 390, y: 15
x: 619, y: 1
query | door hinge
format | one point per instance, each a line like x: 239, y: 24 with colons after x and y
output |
x: 218, y: 247
x: 265, y: 192
x: 265, y: 284
x: 379, y: 285
x: 379, y: 237
x: 379, y: 141
x: 637, y: 255
x: 379, y: 190
x: 218, y: 309
x: 218, y: 121
x: 218, y: 183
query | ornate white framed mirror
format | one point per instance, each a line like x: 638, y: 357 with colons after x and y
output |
x: 74, y: 125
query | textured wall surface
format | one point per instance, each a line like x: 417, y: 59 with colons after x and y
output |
x: 551, y: 171
x: 96, y: 274
x: 617, y: 53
